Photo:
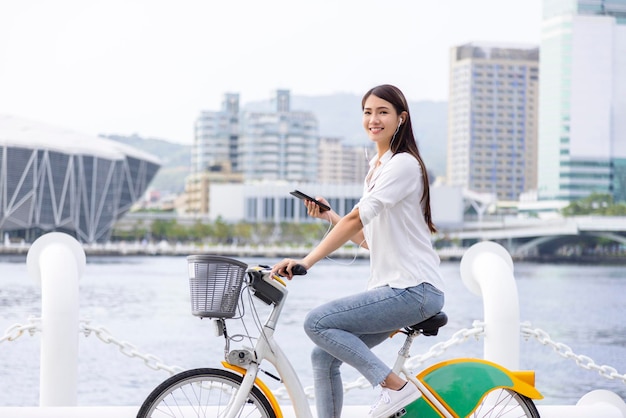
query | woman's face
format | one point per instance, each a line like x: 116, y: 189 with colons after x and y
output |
x: 380, y: 120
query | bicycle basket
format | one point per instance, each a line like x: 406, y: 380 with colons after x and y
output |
x: 215, y: 284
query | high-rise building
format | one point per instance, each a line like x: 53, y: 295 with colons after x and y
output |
x: 216, y: 136
x: 234, y: 146
x: 582, y: 123
x: 492, y: 118
x: 280, y: 144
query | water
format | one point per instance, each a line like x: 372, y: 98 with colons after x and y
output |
x: 145, y: 301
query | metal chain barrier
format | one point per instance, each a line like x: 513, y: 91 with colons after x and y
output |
x: 155, y: 363
x: 566, y: 352
x: 15, y: 331
x: 126, y: 348
x: 34, y: 325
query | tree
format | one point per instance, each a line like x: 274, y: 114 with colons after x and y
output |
x: 160, y: 229
x: 200, y: 231
x: 595, y: 204
x: 243, y: 232
x: 222, y: 231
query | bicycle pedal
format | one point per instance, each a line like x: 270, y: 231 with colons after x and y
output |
x: 398, y: 414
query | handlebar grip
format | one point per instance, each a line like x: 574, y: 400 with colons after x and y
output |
x: 298, y: 270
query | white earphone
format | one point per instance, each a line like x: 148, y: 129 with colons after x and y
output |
x: 400, y: 123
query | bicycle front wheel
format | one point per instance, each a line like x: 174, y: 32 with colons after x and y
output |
x: 505, y: 403
x: 203, y: 393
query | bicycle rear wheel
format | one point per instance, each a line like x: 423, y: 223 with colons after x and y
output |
x: 505, y: 403
x: 204, y: 393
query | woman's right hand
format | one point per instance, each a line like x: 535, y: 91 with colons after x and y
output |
x: 314, y: 210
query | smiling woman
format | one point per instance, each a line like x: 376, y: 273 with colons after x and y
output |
x: 393, y: 221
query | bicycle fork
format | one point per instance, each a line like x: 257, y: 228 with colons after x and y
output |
x: 239, y: 399
x: 267, y: 349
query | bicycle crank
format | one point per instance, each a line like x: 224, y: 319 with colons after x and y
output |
x: 398, y: 414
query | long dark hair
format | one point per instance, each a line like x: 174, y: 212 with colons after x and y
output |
x: 405, y: 140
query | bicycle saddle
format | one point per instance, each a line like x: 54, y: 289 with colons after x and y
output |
x: 431, y: 325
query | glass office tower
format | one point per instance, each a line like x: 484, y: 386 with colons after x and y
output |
x: 582, y: 120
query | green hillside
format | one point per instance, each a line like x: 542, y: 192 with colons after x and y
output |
x: 175, y: 160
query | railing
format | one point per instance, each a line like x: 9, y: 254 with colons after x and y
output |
x: 56, y: 261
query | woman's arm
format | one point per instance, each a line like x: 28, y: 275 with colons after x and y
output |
x: 334, y: 218
x: 347, y: 227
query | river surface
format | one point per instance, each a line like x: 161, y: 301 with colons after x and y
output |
x: 144, y: 302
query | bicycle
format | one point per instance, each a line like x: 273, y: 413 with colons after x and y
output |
x: 465, y: 387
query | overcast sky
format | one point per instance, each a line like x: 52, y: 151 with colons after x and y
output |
x: 149, y: 66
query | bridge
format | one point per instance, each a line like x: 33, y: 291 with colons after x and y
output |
x: 535, y: 237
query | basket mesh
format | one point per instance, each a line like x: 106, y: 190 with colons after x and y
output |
x: 214, y: 284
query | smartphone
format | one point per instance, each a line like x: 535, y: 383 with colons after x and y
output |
x: 300, y: 195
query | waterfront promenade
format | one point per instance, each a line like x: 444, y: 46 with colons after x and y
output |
x: 594, y: 403
x: 179, y: 249
x: 572, y: 239
x: 350, y: 411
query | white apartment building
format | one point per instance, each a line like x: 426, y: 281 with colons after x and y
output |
x: 268, y: 149
x: 582, y: 124
x: 492, y: 119
x: 278, y: 145
x: 216, y: 136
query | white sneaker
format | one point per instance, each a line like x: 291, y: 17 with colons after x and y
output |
x: 391, y: 401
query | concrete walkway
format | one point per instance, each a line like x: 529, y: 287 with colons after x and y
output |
x: 128, y: 412
x: 604, y: 410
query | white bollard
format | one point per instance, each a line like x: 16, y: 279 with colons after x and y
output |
x: 598, y: 403
x: 56, y: 261
x: 487, y: 270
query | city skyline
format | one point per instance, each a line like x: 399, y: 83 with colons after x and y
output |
x: 148, y: 68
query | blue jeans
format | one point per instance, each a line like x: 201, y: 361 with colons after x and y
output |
x: 344, y: 331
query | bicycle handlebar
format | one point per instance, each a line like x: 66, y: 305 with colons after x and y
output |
x: 265, y: 284
x: 298, y: 270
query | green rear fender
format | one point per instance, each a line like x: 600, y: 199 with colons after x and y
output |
x: 462, y: 383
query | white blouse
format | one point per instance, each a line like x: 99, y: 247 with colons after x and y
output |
x: 401, y: 252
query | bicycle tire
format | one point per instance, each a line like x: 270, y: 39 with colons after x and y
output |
x: 505, y: 403
x: 202, y: 393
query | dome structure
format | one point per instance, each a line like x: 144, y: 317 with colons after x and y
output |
x: 54, y: 179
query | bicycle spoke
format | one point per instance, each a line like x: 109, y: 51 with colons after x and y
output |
x: 503, y: 403
x: 203, y: 393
